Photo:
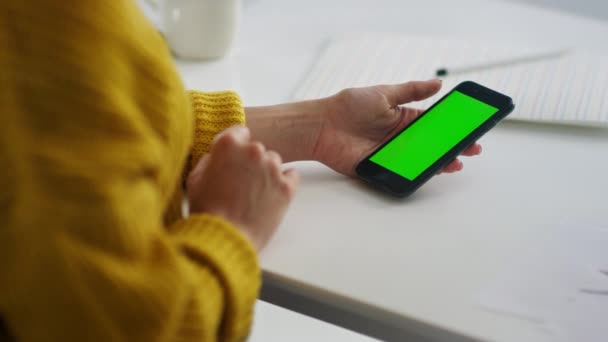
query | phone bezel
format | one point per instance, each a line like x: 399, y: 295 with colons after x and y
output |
x: 400, y: 186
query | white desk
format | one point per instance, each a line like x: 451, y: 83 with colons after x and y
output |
x: 275, y: 324
x: 280, y: 39
x: 414, y: 267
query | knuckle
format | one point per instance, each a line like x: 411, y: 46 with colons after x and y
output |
x: 347, y: 91
x: 256, y: 150
x: 226, y: 140
x: 346, y: 94
x: 274, y: 158
x: 289, y: 189
x: 278, y: 157
x: 289, y: 185
x: 275, y: 168
x: 414, y: 88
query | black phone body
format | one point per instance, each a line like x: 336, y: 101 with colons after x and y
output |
x: 415, y: 154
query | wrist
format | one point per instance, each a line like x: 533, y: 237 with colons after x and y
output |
x: 194, y: 208
x: 291, y: 129
x: 249, y: 236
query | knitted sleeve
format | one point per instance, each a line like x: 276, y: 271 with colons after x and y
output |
x: 213, y: 112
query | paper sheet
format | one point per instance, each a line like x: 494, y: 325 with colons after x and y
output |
x: 561, y: 284
x: 570, y: 89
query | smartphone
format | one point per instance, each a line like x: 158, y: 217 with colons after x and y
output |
x: 428, y: 144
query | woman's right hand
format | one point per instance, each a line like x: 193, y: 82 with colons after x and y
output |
x: 244, y: 183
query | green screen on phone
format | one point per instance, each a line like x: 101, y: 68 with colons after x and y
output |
x: 429, y: 138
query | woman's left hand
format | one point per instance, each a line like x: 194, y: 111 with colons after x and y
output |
x: 361, y: 119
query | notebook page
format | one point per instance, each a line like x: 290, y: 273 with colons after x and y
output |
x: 572, y: 88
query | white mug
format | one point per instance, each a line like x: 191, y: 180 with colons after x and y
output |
x: 200, y: 29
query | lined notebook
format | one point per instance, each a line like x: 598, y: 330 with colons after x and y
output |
x: 571, y: 88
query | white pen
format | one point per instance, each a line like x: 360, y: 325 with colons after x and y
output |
x: 442, y: 72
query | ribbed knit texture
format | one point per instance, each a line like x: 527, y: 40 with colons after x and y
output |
x: 96, y: 131
x: 213, y: 112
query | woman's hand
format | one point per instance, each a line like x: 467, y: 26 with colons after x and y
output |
x: 359, y: 120
x: 342, y: 129
x: 244, y: 183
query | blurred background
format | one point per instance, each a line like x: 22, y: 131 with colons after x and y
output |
x: 591, y: 8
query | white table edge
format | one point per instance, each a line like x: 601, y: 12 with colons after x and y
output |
x: 377, y: 320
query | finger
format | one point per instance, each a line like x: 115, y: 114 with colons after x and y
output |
x: 196, y: 172
x: 472, y: 150
x: 407, y: 115
x: 274, y: 156
x: 256, y: 151
x: 454, y: 166
x: 275, y: 162
x: 411, y: 91
x: 202, y: 163
x: 410, y: 114
x: 232, y: 135
x: 292, y: 179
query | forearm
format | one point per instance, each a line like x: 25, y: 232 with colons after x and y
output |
x: 291, y: 129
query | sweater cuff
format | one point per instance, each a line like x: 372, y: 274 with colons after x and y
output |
x: 214, y: 243
x: 213, y: 113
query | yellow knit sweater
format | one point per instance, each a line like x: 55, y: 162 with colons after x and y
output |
x: 95, y: 133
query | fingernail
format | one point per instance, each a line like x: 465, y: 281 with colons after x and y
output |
x: 240, y: 128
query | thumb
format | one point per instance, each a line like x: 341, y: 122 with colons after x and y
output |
x: 292, y: 179
x: 236, y: 133
x: 201, y: 165
x: 195, y: 176
x: 398, y: 94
